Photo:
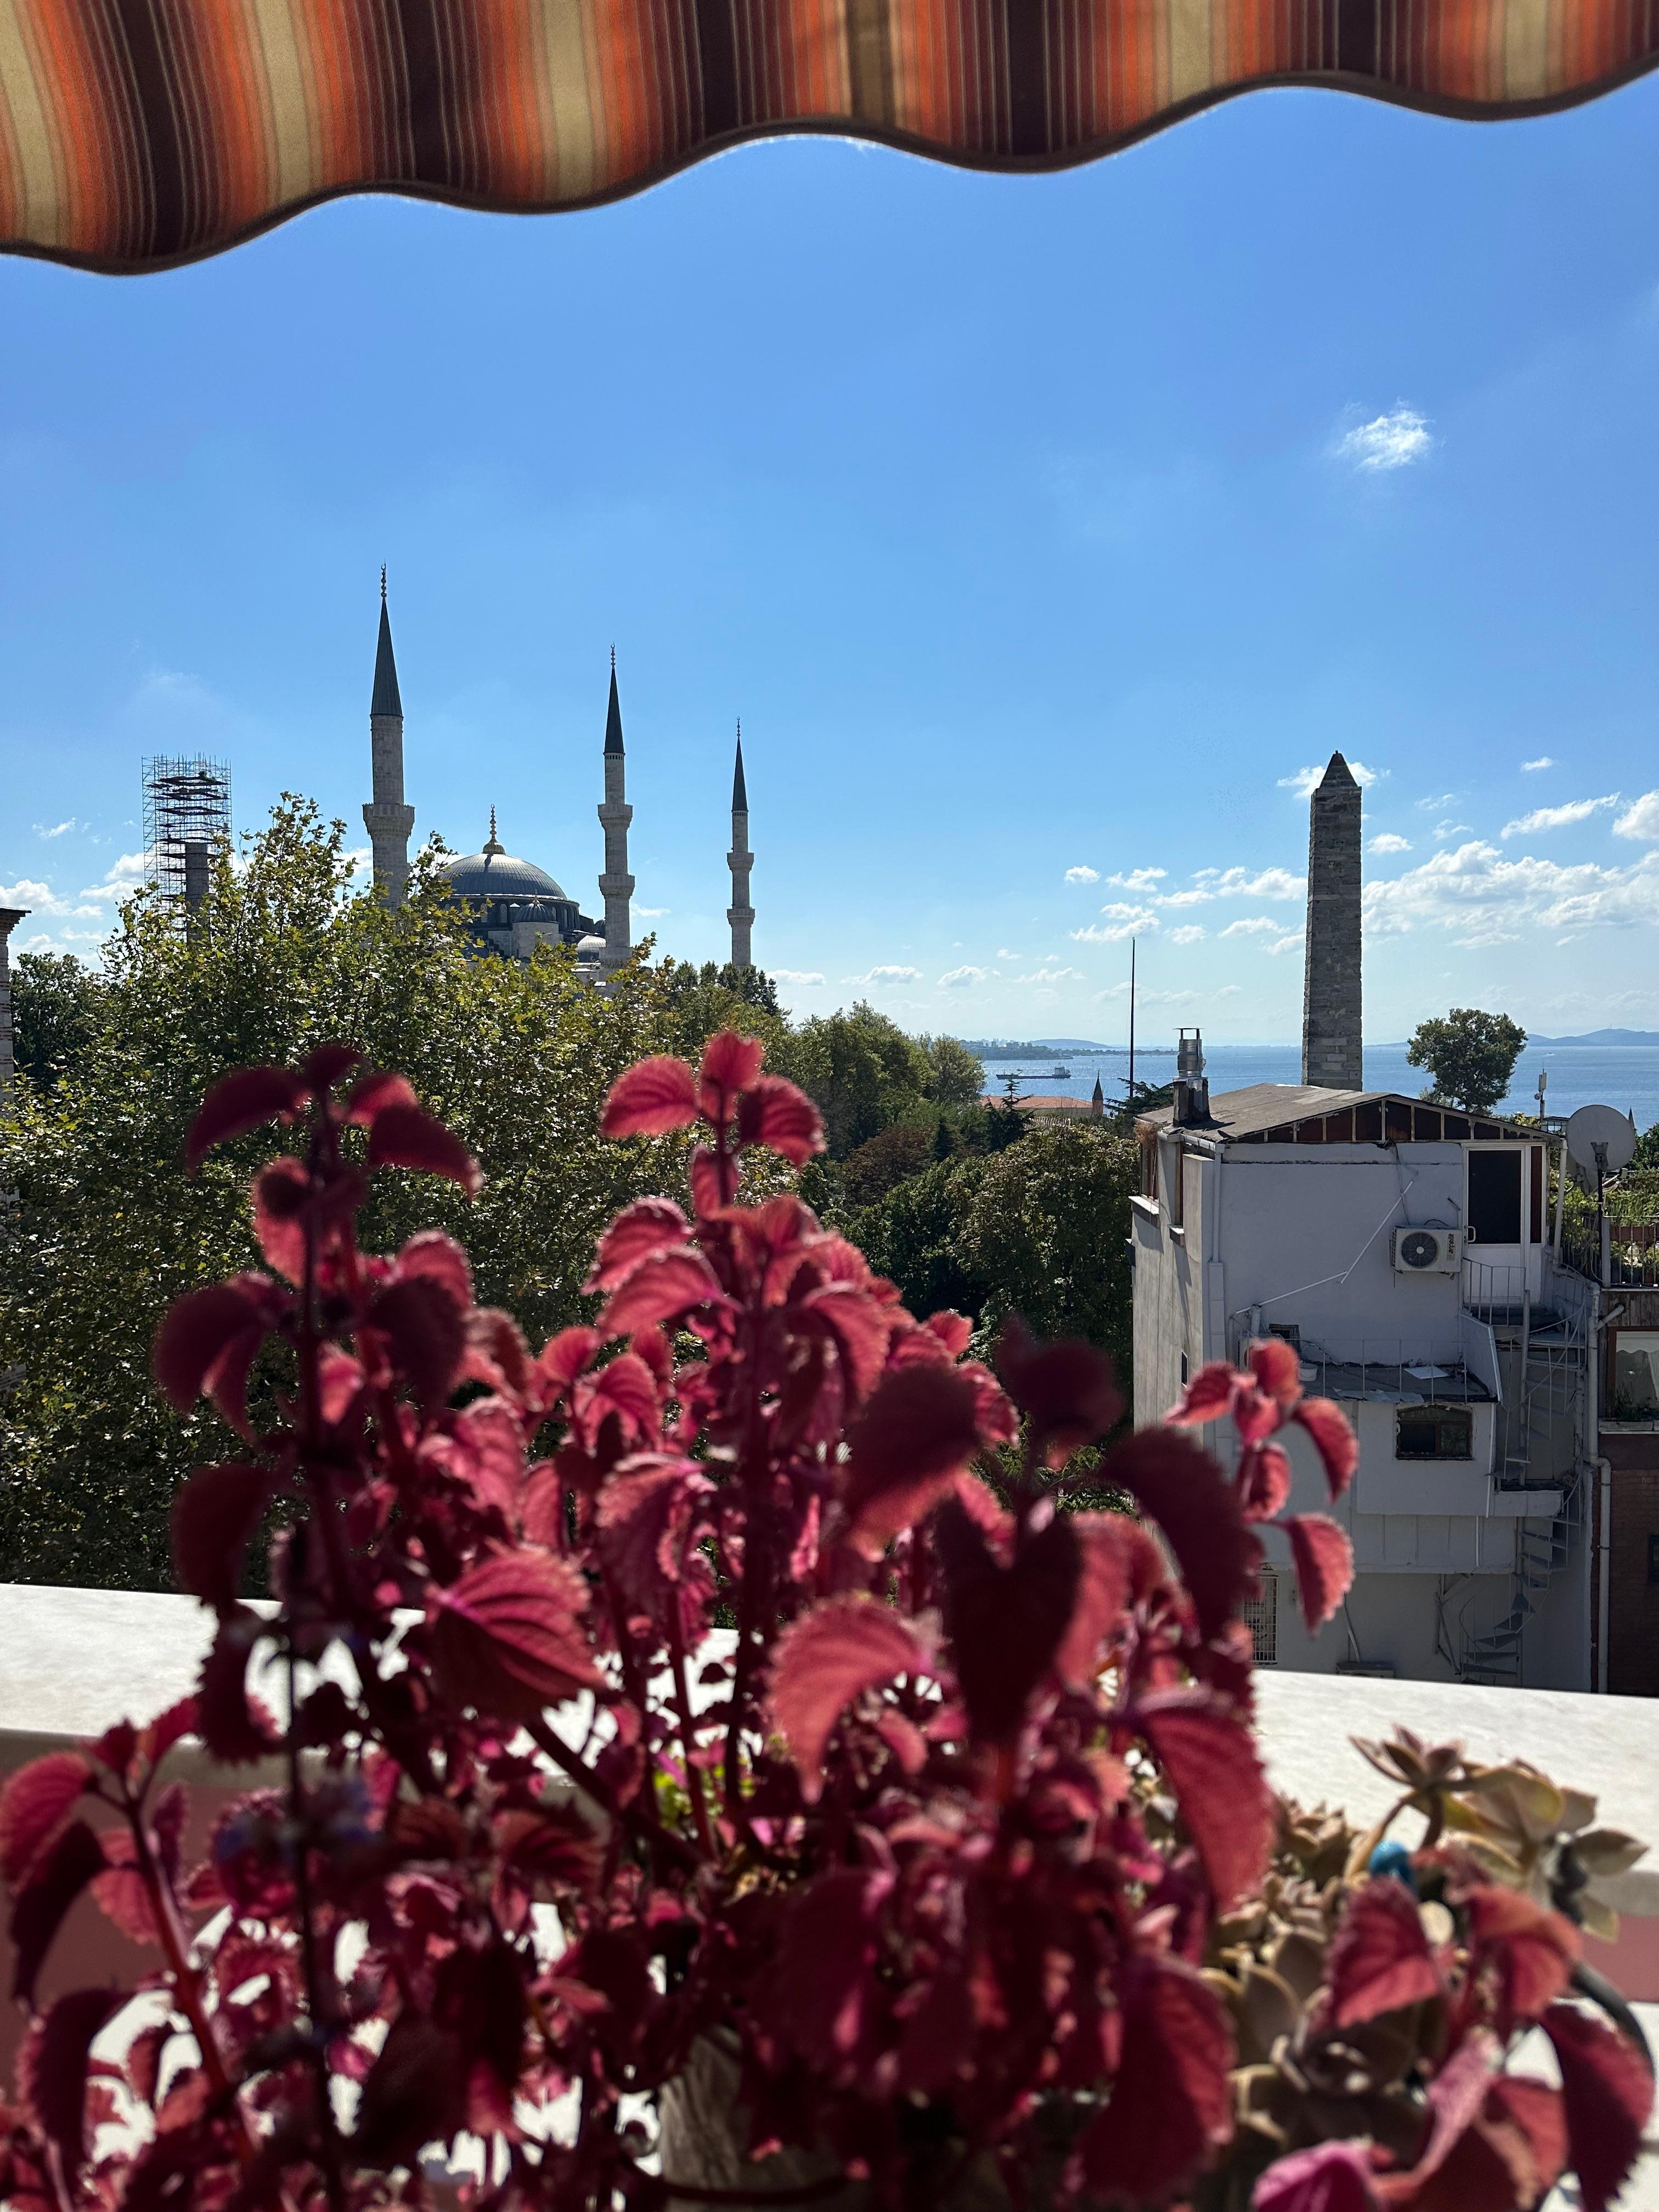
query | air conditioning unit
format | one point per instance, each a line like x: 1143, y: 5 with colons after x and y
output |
x: 1426, y: 1251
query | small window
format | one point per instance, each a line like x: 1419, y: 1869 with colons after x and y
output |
x: 1291, y: 1331
x: 1183, y: 1371
x: 1634, y: 1375
x: 1260, y: 1617
x: 1434, y: 1432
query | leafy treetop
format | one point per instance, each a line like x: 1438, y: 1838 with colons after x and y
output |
x: 1471, y: 1056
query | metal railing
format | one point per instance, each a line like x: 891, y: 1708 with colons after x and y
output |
x: 1625, y: 1255
x: 1391, y: 1366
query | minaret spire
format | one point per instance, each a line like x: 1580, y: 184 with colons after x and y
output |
x: 386, y: 819
x: 740, y: 860
x: 616, y: 884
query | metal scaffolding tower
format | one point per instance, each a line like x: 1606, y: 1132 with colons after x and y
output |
x: 186, y: 823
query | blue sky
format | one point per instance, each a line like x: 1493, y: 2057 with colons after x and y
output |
x: 1043, y: 531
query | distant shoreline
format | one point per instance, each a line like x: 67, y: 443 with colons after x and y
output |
x: 1601, y: 1040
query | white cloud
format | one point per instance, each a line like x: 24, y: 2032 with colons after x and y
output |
x: 802, y: 978
x: 1121, y: 921
x: 124, y: 877
x: 1388, y: 442
x: 1191, y: 932
x: 1640, y: 818
x: 1255, y: 925
x: 1531, y: 768
x: 653, y: 913
x: 1388, y: 842
x: 1139, y: 879
x: 1044, y: 977
x: 882, y: 977
x: 1480, y: 896
x: 1291, y: 942
x: 1239, y: 882
x: 1441, y: 799
x: 1083, y: 875
x: 961, y: 979
x: 1003, y: 953
x: 1448, y: 829
x: 58, y: 829
x: 1305, y: 781
x: 1557, y: 817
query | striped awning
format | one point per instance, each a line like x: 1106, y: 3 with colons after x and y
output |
x: 139, y: 133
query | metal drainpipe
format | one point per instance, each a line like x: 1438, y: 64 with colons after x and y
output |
x: 1604, y: 1547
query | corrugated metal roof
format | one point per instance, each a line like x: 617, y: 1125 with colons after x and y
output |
x: 1283, y: 1112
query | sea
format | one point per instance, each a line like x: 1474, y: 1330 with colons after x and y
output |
x: 1623, y: 1076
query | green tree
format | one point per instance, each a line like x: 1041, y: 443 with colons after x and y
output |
x: 106, y: 1228
x: 1647, y: 1149
x: 912, y: 1236
x: 956, y: 1076
x: 888, y: 1159
x: 1471, y: 1056
x: 697, y: 1001
x: 56, y: 1004
x: 863, y: 1072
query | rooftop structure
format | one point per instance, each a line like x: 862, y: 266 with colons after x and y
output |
x: 186, y: 823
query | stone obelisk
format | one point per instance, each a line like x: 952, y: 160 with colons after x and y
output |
x: 10, y: 918
x: 616, y: 884
x: 740, y: 914
x: 1333, y: 1051
x: 386, y: 819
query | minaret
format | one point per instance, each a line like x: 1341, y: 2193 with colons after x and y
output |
x: 1333, y: 1051
x: 740, y: 860
x: 616, y: 884
x: 1097, y: 1101
x: 10, y: 918
x: 386, y: 819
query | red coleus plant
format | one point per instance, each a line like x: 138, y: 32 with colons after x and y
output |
x: 935, y: 1837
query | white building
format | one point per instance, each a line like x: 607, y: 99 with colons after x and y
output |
x: 1405, y: 1249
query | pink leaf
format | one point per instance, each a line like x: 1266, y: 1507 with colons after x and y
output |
x: 377, y: 1090
x: 56, y: 1878
x: 212, y: 1522
x: 1171, y: 2101
x: 650, y: 1098
x: 1533, y: 1949
x: 823, y: 1661
x: 1065, y: 1387
x: 1607, y: 2092
x: 663, y: 1289
x: 1264, y: 1481
x: 432, y: 1253
x: 626, y: 1387
x: 1208, y: 1395
x: 1277, y: 1367
x: 1324, y: 1565
x: 1380, y: 1959
x: 55, y: 2069
x: 564, y: 1356
x: 648, y: 1226
x: 486, y: 1450
x: 775, y: 1114
x: 326, y: 1064
x: 240, y: 1103
x: 730, y: 1064
x: 1177, y: 1482
x: 34, y: 1804
x: 1210, y: 1761
x: 1120, y: 1566
x: 425, y: 1333
x: 281, y: 1194
x: 1337, y: 1445
x: 644, y: 1512
x: 1331, y: 2176
x: 200, y: 1329
x: 506, y: 1637
x: 860, y: 1329
x: 918, y: 1426
x: 954, y: 1330
x: 408, y: 1137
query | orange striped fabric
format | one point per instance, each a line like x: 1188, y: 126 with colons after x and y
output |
x: 139, y: 133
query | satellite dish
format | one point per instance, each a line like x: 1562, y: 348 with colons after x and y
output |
x: 1601, y: 1139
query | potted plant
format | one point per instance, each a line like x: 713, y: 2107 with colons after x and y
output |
x: 699, y: 1785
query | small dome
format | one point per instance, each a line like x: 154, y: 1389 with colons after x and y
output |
x: 497, y: 875
x: 590, y: 944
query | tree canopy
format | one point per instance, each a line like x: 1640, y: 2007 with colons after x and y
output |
x: 1471, y: 1056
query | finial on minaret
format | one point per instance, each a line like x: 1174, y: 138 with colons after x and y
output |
x: 495, y: 844
x: 616, y: 884
x: 385, y: 817
x: 740, y: 914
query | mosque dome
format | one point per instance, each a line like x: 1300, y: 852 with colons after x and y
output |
x: 494, y: 874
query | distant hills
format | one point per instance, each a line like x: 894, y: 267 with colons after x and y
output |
x: 1602, y: 1036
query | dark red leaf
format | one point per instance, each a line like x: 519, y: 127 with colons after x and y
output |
x: 827, y: 1991
x: 377, y: 1089
x: 1208, y: 1395
x: 120, y: 1889
x: 432, y: 1253
x: 860, y: 1328
x: 704, y: 1174
x: 234, y: 1726
x: 730, y: 1064
x: 240, y: 1103
x: 1535, y: 2119
x: 555, y: 1847
x: 649, y: 1225
x: 827, y: 1657
x: 564, y: 1356
x: 36, y: 1801
x: 326, y: 1064
x: 918, y: 1426
x: 1533, y: 1949
x: 426, y: 1331
x: 1607, y: 2094
x: 55, y: 2069
x: 1171, y: 2101
x: 506, y: 1637
x: 650, y: 1098
x: 414, y: 2093
x: 1177, y: 1482
x: 213, y: 1520
x: 485, y: 1450
x: 1324, y: 1565
x: 281, y: 1192
x: 1380, y: 1959
x: 626, y: 1387
x: 208, y: 1326
x: 1120, y: 1566
x: 1005, y: 1623
x: 775, y: 1114
x: 1263, y: 1481
x: 1456, y: 2095
x: 1067, y: 1387
x: 1210, y: 1761
x: 410, y: 1137
x: 59, y: 1875
x: 1331, y: 2176
x: 1277, y: 1367
x: 665, y: 1288
x: 644, y: 1512
x: 1338, y: 1446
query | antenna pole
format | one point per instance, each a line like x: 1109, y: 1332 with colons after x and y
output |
x: 1132, y: 1022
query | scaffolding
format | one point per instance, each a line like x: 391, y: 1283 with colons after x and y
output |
x: 186, y: 823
